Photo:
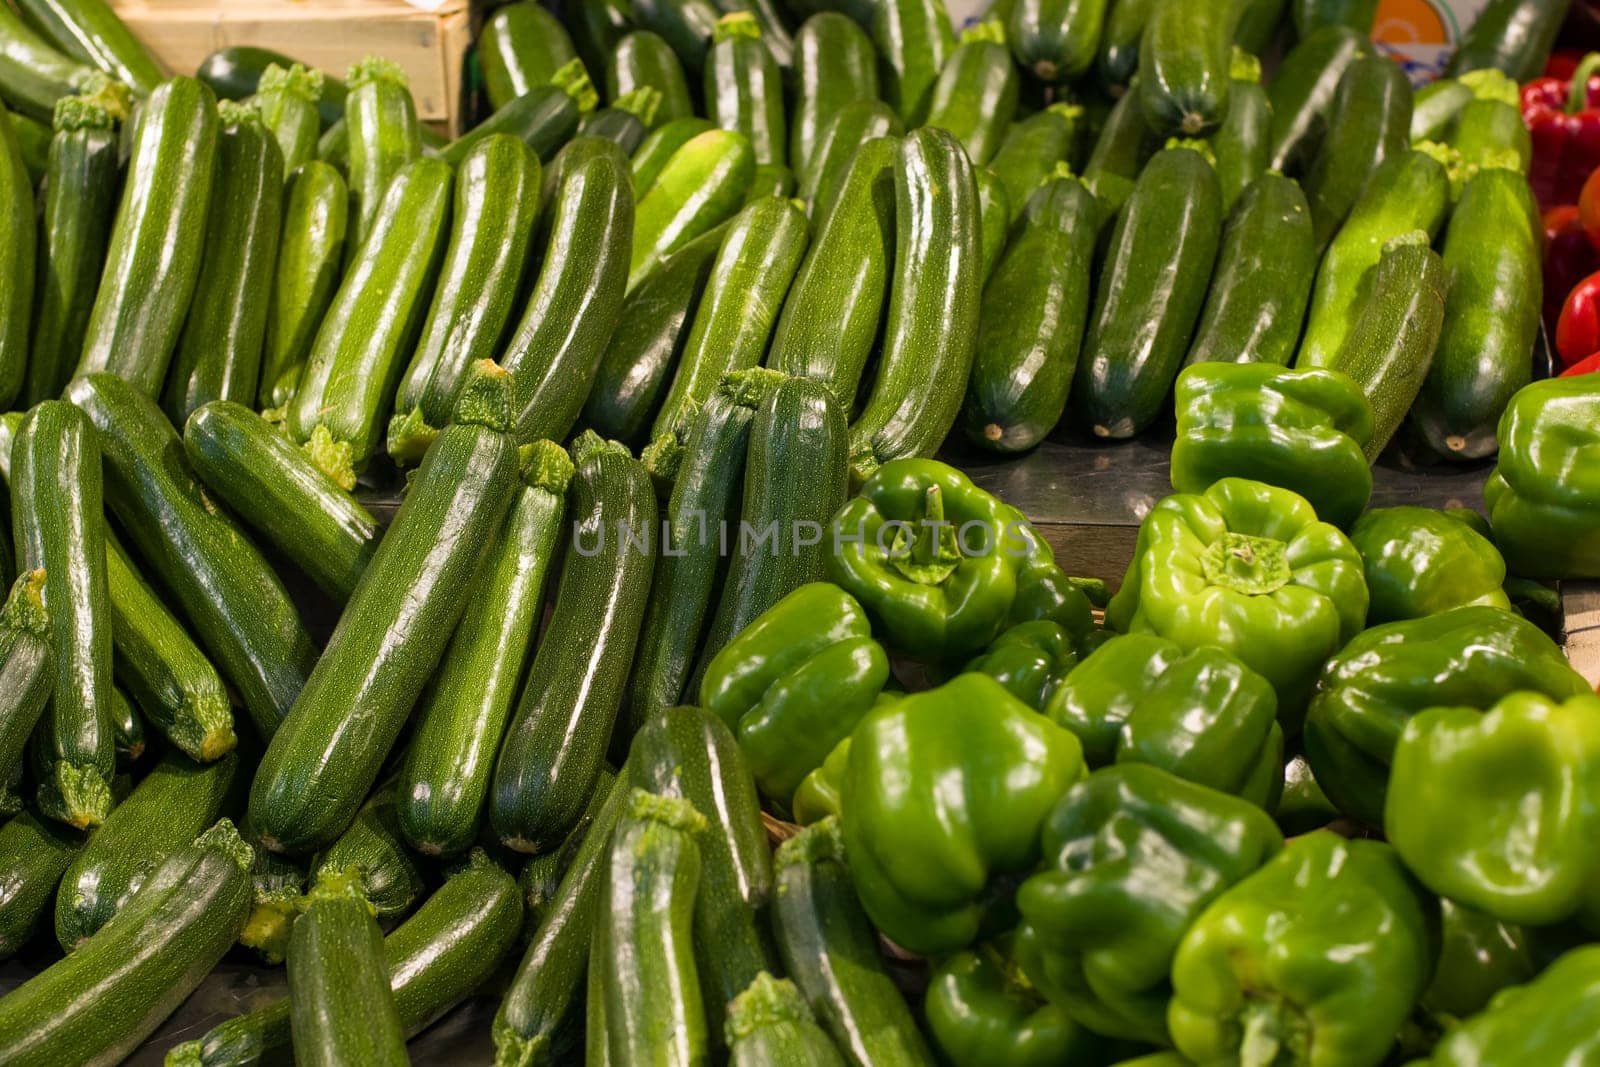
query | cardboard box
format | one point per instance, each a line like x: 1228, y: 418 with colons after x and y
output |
x: 428, y: 39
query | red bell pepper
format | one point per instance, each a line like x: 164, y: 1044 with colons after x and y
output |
x: 1569, y: 257
x: 1587, y: 365
x: 1578, y: 330
x: 1564, y: 119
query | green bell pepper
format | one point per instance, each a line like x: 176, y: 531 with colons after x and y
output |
x: 1031, y: 659
x: 1421, y: 562
x: 1478, y: 956
x: 1466, y: 656
x: 795, y: 682
x: 1133, y: 856
x: 1248, y: 568
x: 1500, y: 810
x: 944, y: 792
x: 1543, y: 498
x: 1303, y: 430
x: 1551, y: 1020
x: 1303, y: 807
x: 1317, y: 958
x: 1201, y: 715
x: 819, y: 795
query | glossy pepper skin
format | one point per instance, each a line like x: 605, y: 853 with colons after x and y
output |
x: 1248, y: 568
x: 936, y: 561
x: 1133, y: 856
x: 795, y: 682
x: 1302, y: 430
x: 1317, y: 958
x: 929, y: 822
x: 1563, y: 116
x: 1031, y: 659
x: 1478, y: 956
x: 1543, y: 498
x: 820, y: 792
x: 1200, y: 715
x: 1550, y: 1020
x: 1420, y: 562
x: 1500, y: 810
x: 1467, y: 656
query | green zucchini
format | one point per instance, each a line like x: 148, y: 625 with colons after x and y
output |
x: 688, y: 753
x: 1243, y: 144
x: 350, y: 374
x: 1435, y: 108
x: 437, y: 958
x: 932, y: 323
x: 580, y: 148
x: 742, y: 89
x: 1151, y: 292
x: 77, y: 201
x: 1259, y: 25
x: 686, y: 25
x: 769, y: 1024
x: 754, y: 269
x: 1513, y: 36
x: 341, y: 1008
x: 596, y: 27
x: 914, y: 39
x: 372, y: 845
x: 574, y: 305
x: 277, y: 887
x: 235, y: 73
x: 153, y: 954
x: 1391, y: 346
x: 1056, y: 40
x: 277, y: 489
x: 1031, y: 149
x: 1124, y: 146
x: 976, y: 94
x: 287, y: 98
x: 27, y: 667
x: 1369, y: 122
x: 831, y: 952
x: 310, y: 255
x: 329, y: 750
x: 153, y: 260
x: 770, y: 180
x: 556, y: 744
x: 34, y: 853
x: 626, y: 127
x: 851, y: 127
x: 831, y: 317
x: 234, y: 602
x: 127, y: 730
x: 1490, y: 124
x: 171, y: 805
x: 89, y: 30
x: 596, y: 1037
x: 644, y: 60
x: 1311, y: 15
x: 702, y: 185
x: 544, y: 118
x: 1263, y: 277
x: 652, y: 156
x: 835, y: 65
x: 643, y: 944
x: 174, y: 684
x: 219, y: 352
x: 1032, y: 320
x: 383, y: 136
x: 1117, y: 59
x: 1491, y: 317
x: 56, y: 494
x: 994, y: 220
x: 1409, y: 192
x: 445, y: 778
x: 704, y: 497
x: 1302, y: 93
x: 33, y: 143
x: 33, y: 73
x: 1185, y: 59
x: 520, y: 47
x: 491, y: 229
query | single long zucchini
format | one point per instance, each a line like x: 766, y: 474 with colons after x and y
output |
x: 34, y: 853
x: 27, y: 667
x: 1302, y: 93
x: 1124, y: 147
x: 384, y: 136
x: 521, y: 46
x: 556, y: 744
x: 769, y: 1024
x: 171, y: 805
x: 976, y: 94
x: 349, y: 379
x: 754, y: 269
x: 233, y: 601
x: 852, y: 126
x: 994, y: 221
x: 644, y: 60
x: 287, y: 98
x: 491, y: 229
x: 445, y: 779
x: 1513, y: 36
x: 329, y: 750
x: 835, y: 65
x: 316, y: 212
x: 1435, y: 108
x: 1369, y: 122
x: 372, y: 846
x: 90, y: 30
x: 932, y: 322
x: 573, y: 308
x: 625, y: 123
x: 56, y: 500
x: 576, y: 151
x: 702, y: 185
x: 341, y: 1009
x: 652, y: 156
x: 153, y: 954
x: 1031, y: 324
x: 686, y: 25
x: 33, y: 142
x: 1243, y: 143
x: 33, y: 73
x: 544, y: 118
x: 1056, y: 40
x: 79, y: 199
x: 235, y: 73
x: 1185, y: 61
x: 153, y: 260
x: 914, y: 39
x: 742, y: 89
x: 1031, y: 149
x: 277, y: 489
x: 1117, y: 59
x: 219, y: 352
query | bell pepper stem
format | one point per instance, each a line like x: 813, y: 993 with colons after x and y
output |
x: 1578, y: 91
x: 926, y: 548
x: 933, y: 553
x: 1247, y: 564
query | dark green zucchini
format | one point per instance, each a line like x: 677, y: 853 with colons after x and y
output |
x: 703, y: 184
x: 127, y: 731
x: 1032, y: 147
x: 277, y: 887
x: 644, y: 60
x: 34, y: 853
x: 976, y: 94
x: 576, y: 151
x: 994, y: 221
x: 1513, y: 36
x: 33, y: 73
x: 544, y: 118
x: 27, y: 667
x: 445, y: 778
x: 1185, y: 59
x: 1303, y: 90
x: 90, y: 30
x: 1117, y: 59
x: 742, y: 88
x: 235, y: 73
x: 1311, y: 15
x: 1124, y: 146
x: 383, y: 136
x: 316, y: 215
x: 287, y: 99
x: 520, y: 47
x: 624, y: 125
x: 835, y: 65
x: 914, y: 38
x: 1243, y: 144
x: 1368, y: 122
x: 1056, y: 40
x: 852, y: 126
x: 371, y: 845
x: 686, y: 25
x: 33, y: 144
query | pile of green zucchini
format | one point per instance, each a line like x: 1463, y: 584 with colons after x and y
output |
x: 702, y: 264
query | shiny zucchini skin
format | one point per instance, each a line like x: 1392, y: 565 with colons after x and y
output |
x: 287, y: 99
x: 1513, y: 36
x: 743, y: 90
x: 153, y: 954
x: 1302, y: 93
x: 153, y: 259
x: 1032, y: 320
x: 651, y: 157
x: 1119, y: 156
x: 316, y: 213
x: 975, y: 97
x: 701, y: 186
x: 27, y: 667
x: 1368, y: 122
x: 89, y: 30
x: 57, y: 504
x: 932, y: 322
x: 1056, y: 40
x: 1117, y: 59
x: 834, y: 65
x: 235, y: 73
x: 327, y: 754
x: 914, y: 38
x: 573, y: 309
x: 852, y: 126
x: 33, y: 73
x: 544, y: 118
x: 1243, y: 143
x: 383, y: 136
x: 34, y: 853
x: 644, y: 59
x: 1032, y: 147
x: 444, y: 782
x: 127, y: 731
x: 520, y: 47
x: 1151, y: 292
x: 1184, y: 65
x: 169, y: 807
x: 219, y: 351
x: 994, y: 220
x: 615, y: 124
x: 390, y: 879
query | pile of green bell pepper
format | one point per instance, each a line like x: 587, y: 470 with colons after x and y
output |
x: 1543, y: 498
x: 1551, y: 1020
x: 1032, y: 659
x: 1421, y: 562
